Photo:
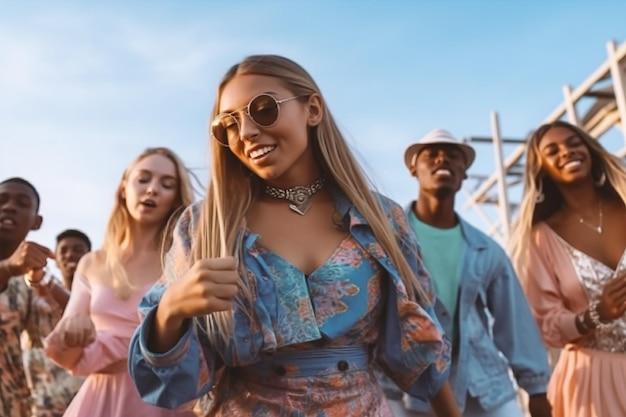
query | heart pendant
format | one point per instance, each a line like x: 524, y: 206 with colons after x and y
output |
x: 301, y: 209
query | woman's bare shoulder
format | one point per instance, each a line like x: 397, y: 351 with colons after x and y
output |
x: 91, y: 264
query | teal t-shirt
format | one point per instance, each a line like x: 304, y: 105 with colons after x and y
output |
x: 441, y: 252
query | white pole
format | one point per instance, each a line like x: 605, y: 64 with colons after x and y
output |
x: 503, y: 197
x: 572, y: 115
x: 619, y: 84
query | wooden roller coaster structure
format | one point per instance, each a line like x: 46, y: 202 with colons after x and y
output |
x: 598, y: 105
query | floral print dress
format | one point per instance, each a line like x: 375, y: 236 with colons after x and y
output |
x: 349, y: 283
x: 312, y: 343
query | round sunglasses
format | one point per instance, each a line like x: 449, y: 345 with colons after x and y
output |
x: 263, y: 110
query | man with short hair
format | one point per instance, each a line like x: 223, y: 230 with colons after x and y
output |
x: 72, y: 244
x: 35, y: 307
x: 480, y: 303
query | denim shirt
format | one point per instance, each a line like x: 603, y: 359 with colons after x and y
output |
x: 496, y: 330
x: 411, y: 348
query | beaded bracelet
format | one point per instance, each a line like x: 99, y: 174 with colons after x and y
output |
x: 595, y: 316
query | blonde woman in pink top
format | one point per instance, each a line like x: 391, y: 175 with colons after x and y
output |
x: 93, y: 336
x: 568, y: 246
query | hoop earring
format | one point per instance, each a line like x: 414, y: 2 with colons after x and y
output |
x: 540, y: 197
x: 601, y: 181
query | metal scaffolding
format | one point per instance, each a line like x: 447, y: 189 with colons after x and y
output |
x: 598, y: 106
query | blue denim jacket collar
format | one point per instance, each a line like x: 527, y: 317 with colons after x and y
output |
x: 346, y: 208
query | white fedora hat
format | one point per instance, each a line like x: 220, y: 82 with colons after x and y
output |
x: 437, y: 136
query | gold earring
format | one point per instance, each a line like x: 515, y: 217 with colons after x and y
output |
x: 601, y: 181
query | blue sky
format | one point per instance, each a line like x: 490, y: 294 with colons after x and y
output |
x: 86, y: 86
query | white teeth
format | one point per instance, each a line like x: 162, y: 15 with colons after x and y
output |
x: 572, y: 164
x: 8, y: 221
x: 443, y: 172
x: 257, y: 153
x: 72, y: 264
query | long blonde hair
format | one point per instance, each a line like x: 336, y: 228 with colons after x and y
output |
x: 118, y: 225
x: 232, y: 189
x: 536, y: 182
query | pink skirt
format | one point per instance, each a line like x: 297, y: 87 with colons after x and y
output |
x: 588, y: 383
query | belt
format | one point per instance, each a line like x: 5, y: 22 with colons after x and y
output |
x: 313, y: 362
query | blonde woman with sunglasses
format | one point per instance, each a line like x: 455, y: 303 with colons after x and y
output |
x: 292, y: 280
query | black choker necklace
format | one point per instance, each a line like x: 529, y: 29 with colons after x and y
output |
x: 298, y: 196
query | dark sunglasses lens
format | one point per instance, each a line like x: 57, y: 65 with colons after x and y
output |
x: 264, y: 110
x: 223, y: 128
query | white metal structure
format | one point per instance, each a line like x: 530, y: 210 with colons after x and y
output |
x: 598, y: 106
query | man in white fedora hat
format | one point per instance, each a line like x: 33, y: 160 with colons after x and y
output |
x: 480, y: 303
x: 441, y: 138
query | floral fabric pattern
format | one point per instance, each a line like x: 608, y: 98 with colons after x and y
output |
x: 52, y: 387
x: 20, y: 310
x: 356, y: 299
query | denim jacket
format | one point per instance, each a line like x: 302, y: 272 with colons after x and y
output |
x: 411, y: 347
x: 496, y: 330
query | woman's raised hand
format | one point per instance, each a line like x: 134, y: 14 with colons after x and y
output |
x: 78, y: 331
x: 209, y: 286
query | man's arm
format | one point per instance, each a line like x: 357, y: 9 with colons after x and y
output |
x: 444, y: 404
x: 29, y: 256
x: 539, y: 406
x: 59, y: 293
x: 516, y: 334
x: 48, y: 287
x: 7, y: 271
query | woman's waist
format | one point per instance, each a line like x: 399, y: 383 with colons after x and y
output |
x: 117, y: 328
x: 118, y: 367
x: 312, y: 362
x: 591, y: 347
x: 610, y: 338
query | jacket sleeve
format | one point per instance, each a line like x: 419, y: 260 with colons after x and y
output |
x: 515, y: 332
x: 174, y: 378
x: 554, y: 314
x: 187, y: 371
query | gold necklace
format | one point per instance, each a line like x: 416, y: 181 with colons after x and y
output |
x: 598, y: 229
